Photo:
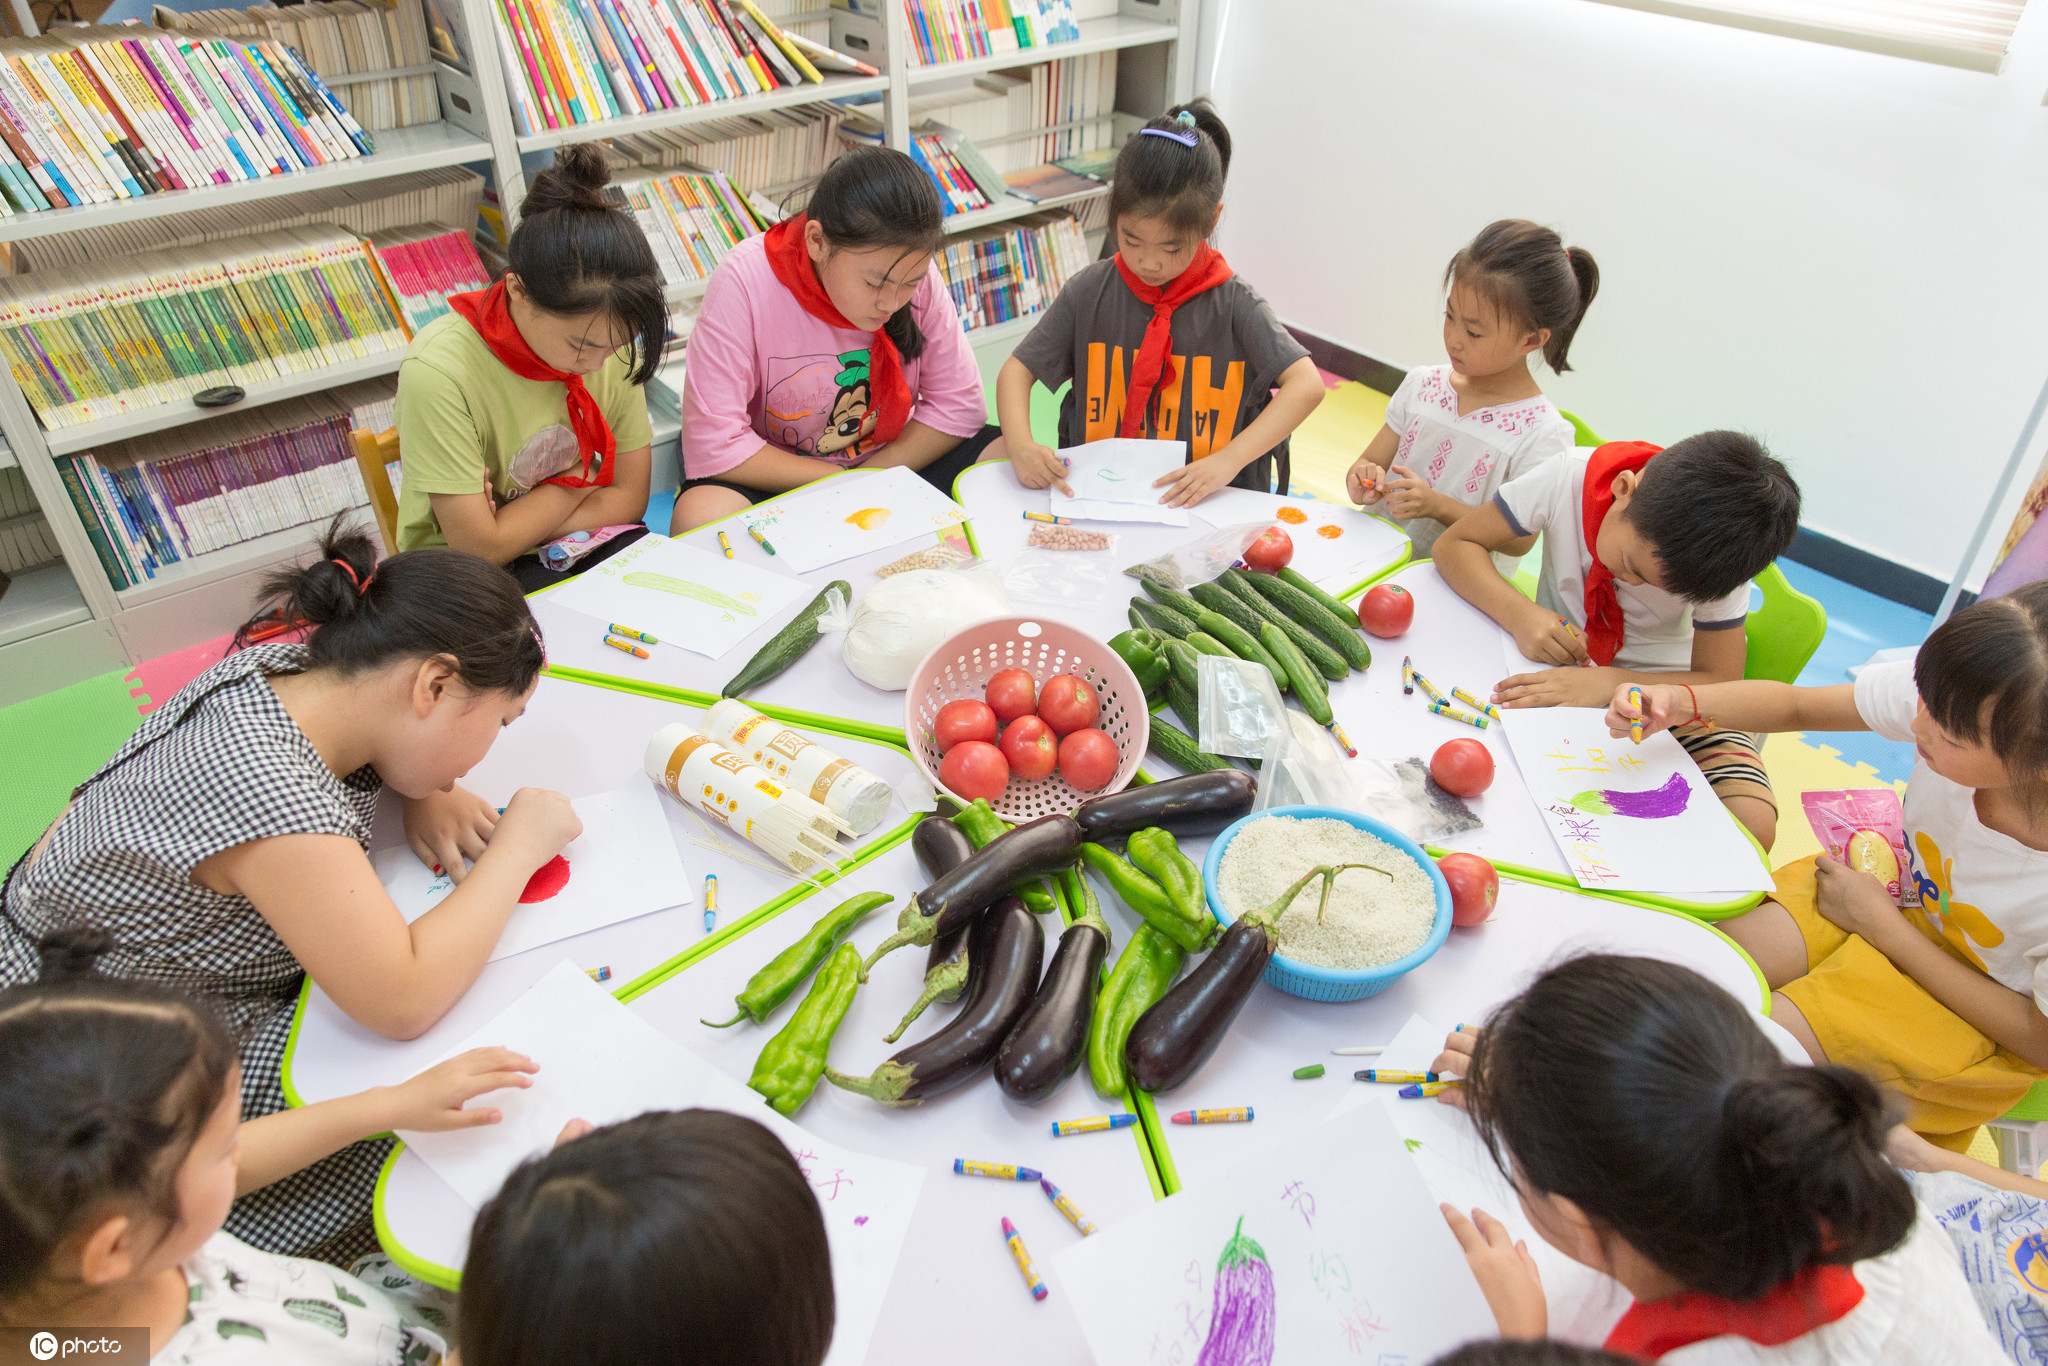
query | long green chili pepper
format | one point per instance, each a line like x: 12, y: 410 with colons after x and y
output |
x: 1156, y: 852
x: 791, y: 1063
x: 1139, y: 892
x: 1141, y: 976
x: 786, y: 971
x: 981, y: 825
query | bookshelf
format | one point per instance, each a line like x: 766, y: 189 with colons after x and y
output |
x: 63, y: 621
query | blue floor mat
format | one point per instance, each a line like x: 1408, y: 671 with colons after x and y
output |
x: 1860, y: 623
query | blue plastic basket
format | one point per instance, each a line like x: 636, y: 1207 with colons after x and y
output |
x: 1336, y: 984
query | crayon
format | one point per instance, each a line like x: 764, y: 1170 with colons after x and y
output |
x: 1350, y: 750
x: 1240, y: 1115
x: 628, y: 646
x: 1000, y: 1171
x: 1407, y: 675
x: 603, y: 974
x: 1016, y: 1242
x: 1442, y: 708
x: 1574, y: 632
x: 1635, y: 727
x: 1360, y: 1051
x: 1308, y: 1073
x: 710, y: 902
x: 1048, y: 517
x: 1381, y: 1074
x: 1067, y: 1207
x: 1061, y: 1128
x: 1429, y: 688
x: 1426, y: 1088
x: 755, y: 532
x: 725, y: 545
x: 1482, y: 707
x: 631, y: 634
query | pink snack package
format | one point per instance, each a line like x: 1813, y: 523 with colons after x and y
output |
x: 1836, y: 817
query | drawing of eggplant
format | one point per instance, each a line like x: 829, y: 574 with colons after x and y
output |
x: 1655, y: 804
x: 1242, y: 1311
x: 683, y: 588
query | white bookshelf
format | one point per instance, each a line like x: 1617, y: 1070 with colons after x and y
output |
x: 1097, y: 35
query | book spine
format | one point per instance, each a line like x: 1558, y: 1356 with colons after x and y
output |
x: 89, y: 518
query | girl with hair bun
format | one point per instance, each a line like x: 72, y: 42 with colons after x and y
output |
x: 224, y: 847
x: 1655, y: 1135
x: 521, y: 414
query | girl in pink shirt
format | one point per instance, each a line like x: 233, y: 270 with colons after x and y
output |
x: 827, y: 343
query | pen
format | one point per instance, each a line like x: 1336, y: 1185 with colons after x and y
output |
x: 755, y: 532
x: 710, y: 901
x: 1635, y: 727
x: 725, y: 545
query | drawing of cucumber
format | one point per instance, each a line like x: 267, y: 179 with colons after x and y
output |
x: 341, y: 1292
x: 235, y: 1328
x: 683, y: 588
x: 320, y: 1312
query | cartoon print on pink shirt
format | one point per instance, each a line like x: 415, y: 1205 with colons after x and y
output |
x: 821, y: 406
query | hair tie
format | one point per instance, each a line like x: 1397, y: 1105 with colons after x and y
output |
x: 362, y: 584
x: 1185, y: 139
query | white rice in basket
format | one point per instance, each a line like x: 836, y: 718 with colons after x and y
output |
x: 1370, y: 921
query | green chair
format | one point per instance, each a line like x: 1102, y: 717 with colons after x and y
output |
x: 1587, y: 436
x: 2020, y: 1132
x: 1785, y: 631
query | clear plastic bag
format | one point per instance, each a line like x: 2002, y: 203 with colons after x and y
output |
x: 1304, y: 766
x: 1838, y: 817
x: 1240, y: 708
x: 1059, y: 576
x: 1202, y: 559
x: 903, y: 618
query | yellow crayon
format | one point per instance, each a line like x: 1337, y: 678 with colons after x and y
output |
x: 1239, y: 1115
x: 1435, y: 694
x: 1469, y: 718
x: 1635, y: 727
x: 725, y: 545
x: 1016, y: 1242
x: 628, y: 646
x: 1425, y: 1089
x: 1483, y: 708
x: 631, y: 634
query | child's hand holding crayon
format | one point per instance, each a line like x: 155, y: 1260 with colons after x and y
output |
x: 1649, y: 705
x: 1038, y: 467
x: 1362, y: 481
x: 1547, y: 638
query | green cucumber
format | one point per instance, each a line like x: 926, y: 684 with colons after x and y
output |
x: 1227, y: 604
x: 1164, y: 620
x: 1178, y: 748
x: 1308, y: 684
x: 1170, y: 598
x: 789, y: 644
x: 1328, y: 661
x: 1180, y: 658
x: 1310, y: 612
x: 1307, y: 585
x: 1205, y: 644
x: 1240, y: 640
x: 1182, y: 692
x: 1137, y: 622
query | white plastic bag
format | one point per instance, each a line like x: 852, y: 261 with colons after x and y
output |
x: 1202, y: 559
x: 903, y: 618
x: 1304, y: 767
x: 1081, y: 578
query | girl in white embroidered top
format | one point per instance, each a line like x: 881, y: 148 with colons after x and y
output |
x: 1455, y: 433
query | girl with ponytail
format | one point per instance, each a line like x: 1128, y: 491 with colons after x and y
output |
x: 224, y: 847
x: 1655, y: 1135
x: 1455, y: 433
x: 521, y: 416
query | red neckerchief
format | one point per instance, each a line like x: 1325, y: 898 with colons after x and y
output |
x: 888, y: 390
x: 1814, y: 1298
x: 1155, y: 353
x: 489, y: 314
x: 1603, y: 609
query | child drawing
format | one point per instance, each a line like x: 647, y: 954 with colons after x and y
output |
x: 1242, y: 1314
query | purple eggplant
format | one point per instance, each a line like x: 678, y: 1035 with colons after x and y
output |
x: 1004, y: 953
x: 1046, y: 1046
x: 1198, y: 804
x: 941, y: 846
x: 1033, y: 849
x: 1241, y: 1311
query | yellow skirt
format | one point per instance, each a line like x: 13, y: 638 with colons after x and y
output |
x: 1870, y: 1016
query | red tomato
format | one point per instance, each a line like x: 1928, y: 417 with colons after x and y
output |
x: 966, y: 719
x: 1386, y: 610
x: 1088, y: 759
x: 1273, y: 550
x: 1463, y: 767
x: 1030, y: 746
x: 975, y: 768
x: 1474, y: 887
x: 1012, y: 693
x: 1068, y: 704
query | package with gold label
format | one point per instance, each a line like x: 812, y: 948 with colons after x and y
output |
x: 779, y: 821
x: 849, y: 791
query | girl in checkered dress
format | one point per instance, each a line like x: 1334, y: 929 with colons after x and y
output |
x: 223, y: 847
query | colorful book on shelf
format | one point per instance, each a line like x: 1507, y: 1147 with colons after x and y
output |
x: 690, y: 220
x: 999, y: 274
x: 1050, y: 181
x: 341, y: 38
x: 423, y: 265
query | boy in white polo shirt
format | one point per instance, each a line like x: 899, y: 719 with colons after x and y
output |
x: 1647, y: 558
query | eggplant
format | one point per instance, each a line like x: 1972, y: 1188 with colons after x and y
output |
x: 941, y: 846
x: 1046, y: 1046
x: 1198, y: 804
x: 1033, y: 849
x: 1004, y: 953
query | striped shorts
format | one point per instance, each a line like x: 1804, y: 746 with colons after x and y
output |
x: 1732, y: 760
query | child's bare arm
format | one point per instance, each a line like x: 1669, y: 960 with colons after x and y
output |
x: 1362, y: 480
x: 1717, y: 657
x: 1750, y: 704
x: 1464, y: 556
x: 1035, y: 464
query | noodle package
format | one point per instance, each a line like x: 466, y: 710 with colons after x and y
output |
x: 843, y: 787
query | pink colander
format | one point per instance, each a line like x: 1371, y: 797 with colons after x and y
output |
x: 962, y: 666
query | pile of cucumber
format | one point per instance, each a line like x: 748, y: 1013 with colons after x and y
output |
x: 1303, y: 636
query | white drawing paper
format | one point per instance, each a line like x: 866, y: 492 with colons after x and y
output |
x: 851, y: 515
x: 1629, y: 817
x: 1352, y: 1262
x: 1113, y: 481
x: 1334, y: 547
x: 602, y: 1063
x: 624, y: 865
x: 680, y: 594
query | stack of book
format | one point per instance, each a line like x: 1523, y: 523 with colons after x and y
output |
x: 946, y: 163
x: 961, y: 30
x: 89, y: 342
x: 92, y: 115
x: 582, y: 61
x: 25, y: 536
x: 343, y: 40
x: 768, y: 152
x: 997, y: 110
x: 691, y: 221
x: 424, y: 264
x: 160, y: 499
x: 1000, y: 274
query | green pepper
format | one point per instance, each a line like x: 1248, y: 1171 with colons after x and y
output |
x: 1155, y: 851
x: 1141, y: 976
x: 1142, y: 651
x: 792, y: 1062
x: 786, y: 971
x: 980, y: 823
x: 1139, y: 892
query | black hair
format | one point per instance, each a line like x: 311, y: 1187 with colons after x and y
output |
x: 1526, y: 272
x: 685, y: 1236
x: 1164, y: 178
x: 877, y: 197
x: 578, y: 252
x: 104, y: 1085
x: 1995, y: 651
x: 415, y: 605
x: 1716, y: 508
x: 1502, y: 1352
x: 1642, y: 1093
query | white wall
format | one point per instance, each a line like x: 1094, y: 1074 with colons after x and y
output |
x: 1843, y: 253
